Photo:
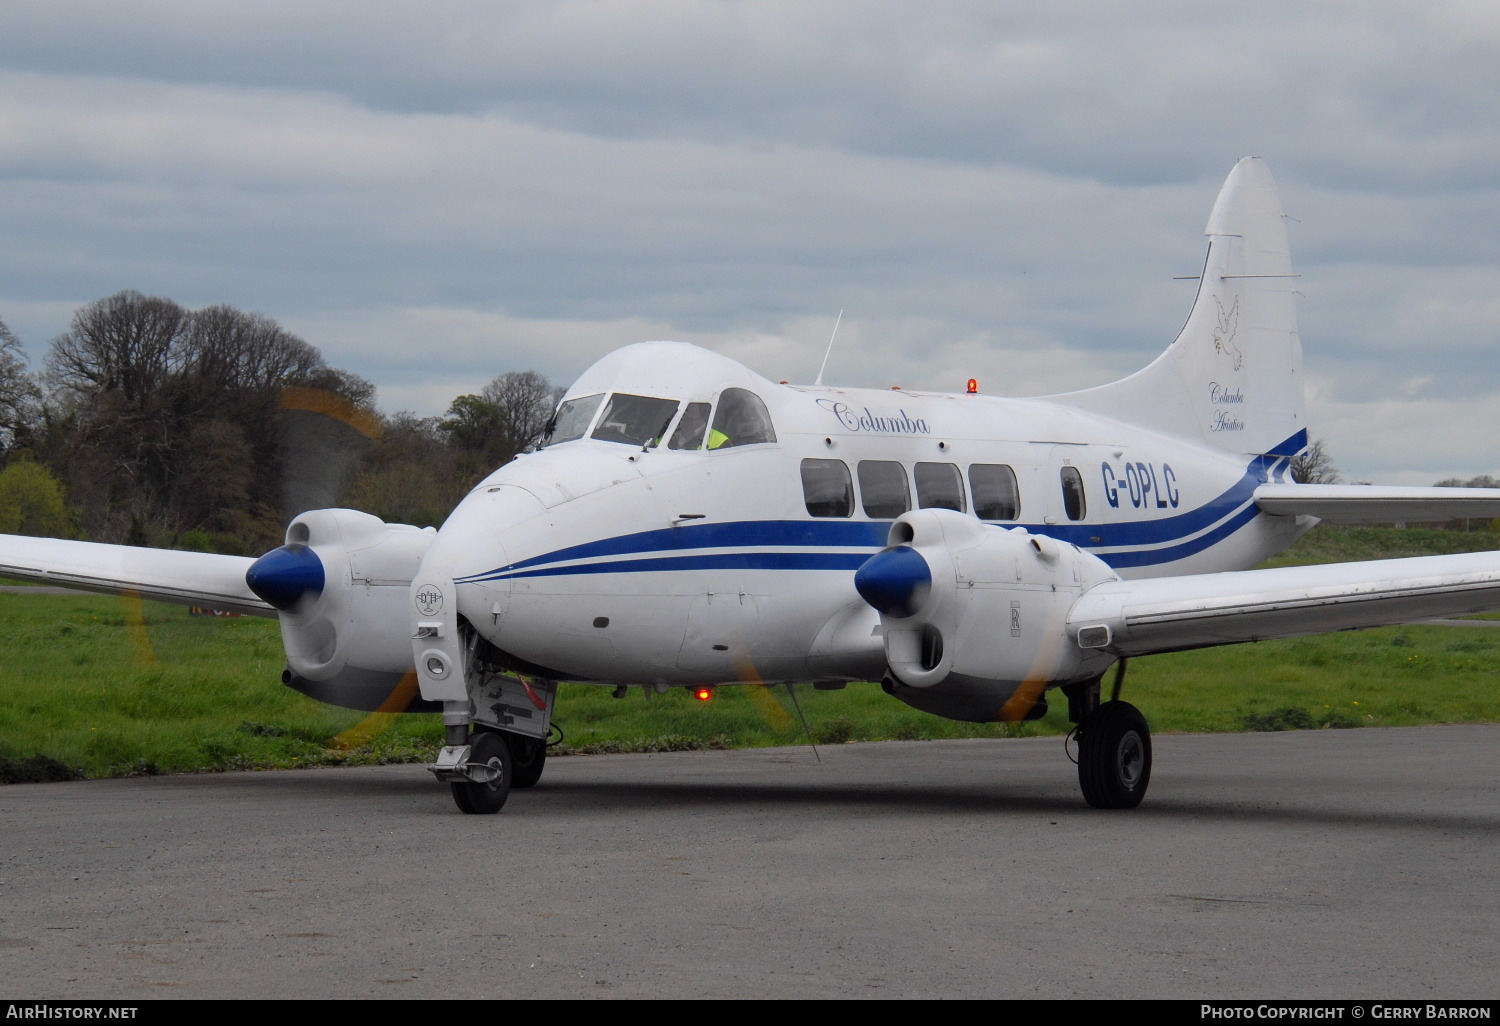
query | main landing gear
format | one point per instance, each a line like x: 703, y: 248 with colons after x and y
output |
x: 1114, y: 745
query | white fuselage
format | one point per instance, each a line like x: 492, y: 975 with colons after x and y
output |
x: 623, y: 563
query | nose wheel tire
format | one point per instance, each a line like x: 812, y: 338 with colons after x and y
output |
x: 1114, y: 756
x: 489, y: 755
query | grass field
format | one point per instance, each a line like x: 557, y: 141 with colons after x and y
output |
x: 100, y: 686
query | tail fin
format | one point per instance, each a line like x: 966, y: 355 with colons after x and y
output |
x: 1234, y: 375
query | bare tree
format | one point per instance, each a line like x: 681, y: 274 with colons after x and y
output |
x: 509, y: 414
x: 343, y: 383
x: 19, y: 394
x: 163, y: 420
x: 128, y: 344
x: 525, y: 401
x: 230, y: 351
x: 1314, y: 465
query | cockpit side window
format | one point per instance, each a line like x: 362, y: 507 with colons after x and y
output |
x: 572, y: 419
x: 690, y: 429
x: 635, y: 419
x: 741, y: 419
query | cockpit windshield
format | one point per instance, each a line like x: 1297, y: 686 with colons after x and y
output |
x: 635, y: 419
x: 572, y: 419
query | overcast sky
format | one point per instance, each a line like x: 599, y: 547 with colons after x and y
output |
x: 435, y: 193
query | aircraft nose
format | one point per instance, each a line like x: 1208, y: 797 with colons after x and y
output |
x: 284, y: 575
x: 895, y: 581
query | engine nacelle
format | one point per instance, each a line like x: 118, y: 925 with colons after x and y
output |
x: 341, y: 586
x: 975, y: 616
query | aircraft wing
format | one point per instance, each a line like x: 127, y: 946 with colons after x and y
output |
x: 1377, y: 504
x: 1167, y: 614
x: 166, y: 575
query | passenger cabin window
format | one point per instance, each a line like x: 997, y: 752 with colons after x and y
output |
x: 1072, y: 489
x: 883, y: 489
x: 634, y: 419
x: 996, y: 496
x: 741, y: 419
x: 827, y: 488
x: 572, y: 419
x: 940, y: 486
x: 690, y: 429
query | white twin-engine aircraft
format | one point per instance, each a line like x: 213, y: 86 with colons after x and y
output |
x: 689, y: 522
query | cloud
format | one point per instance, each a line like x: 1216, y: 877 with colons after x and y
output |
x: 437, y: 194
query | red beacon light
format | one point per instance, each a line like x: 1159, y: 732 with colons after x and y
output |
x: 703, y: 694
x: 973, y: 386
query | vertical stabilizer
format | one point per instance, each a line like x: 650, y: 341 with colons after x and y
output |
x: 1234, y: 375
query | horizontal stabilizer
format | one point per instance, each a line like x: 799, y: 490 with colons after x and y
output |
x: 1372, y: 504
x: 164, y: 575
x: 1168, y: 614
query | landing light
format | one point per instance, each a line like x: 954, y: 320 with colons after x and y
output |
x: 703, y: 694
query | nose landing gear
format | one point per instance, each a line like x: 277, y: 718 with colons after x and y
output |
x: 481, y: 785
x: 497, y: 738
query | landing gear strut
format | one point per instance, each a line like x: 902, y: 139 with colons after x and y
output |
x: 1114, y: 746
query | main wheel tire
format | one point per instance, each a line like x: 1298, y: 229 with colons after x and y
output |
x: 528, y: 757
x: 488, y: 749
x: 1114, y: 756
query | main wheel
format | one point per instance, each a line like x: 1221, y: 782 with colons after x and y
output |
x: 528, y: 757
x: 1114, y: 756
x: 489, y: 750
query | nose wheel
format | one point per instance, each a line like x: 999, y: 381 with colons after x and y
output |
x: 1114, y: 756
x: 487, y: 775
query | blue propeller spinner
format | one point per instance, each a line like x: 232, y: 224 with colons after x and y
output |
x: 284, y: 575
x: 895, y: 581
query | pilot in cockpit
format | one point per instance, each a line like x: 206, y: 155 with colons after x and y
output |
x: 689, y: 433
x: 740, y: 419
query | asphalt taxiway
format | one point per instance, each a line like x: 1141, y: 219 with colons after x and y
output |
x: 1353, y: 864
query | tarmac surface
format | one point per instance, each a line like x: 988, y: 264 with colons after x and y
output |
x: 1352, y: 864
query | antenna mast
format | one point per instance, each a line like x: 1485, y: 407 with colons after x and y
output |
x: 829, y: 352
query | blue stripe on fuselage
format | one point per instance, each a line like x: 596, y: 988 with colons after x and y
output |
x: 1235, y: 503
x: 849, y: 561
